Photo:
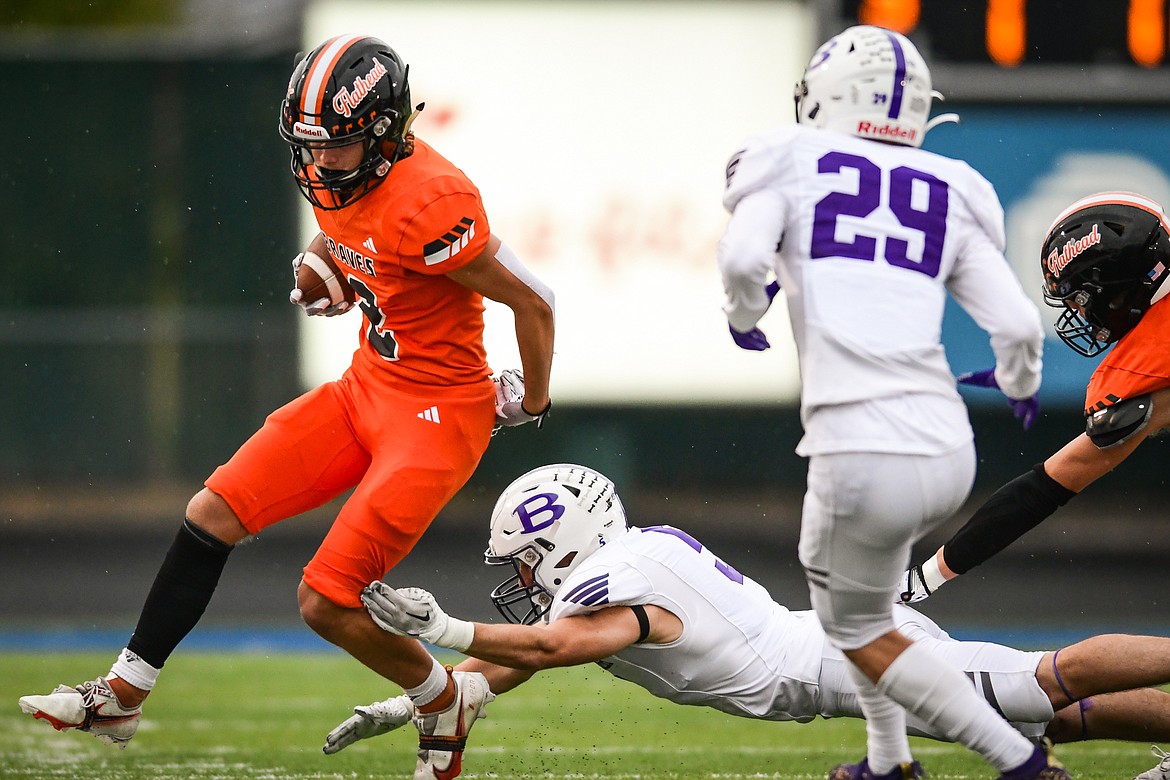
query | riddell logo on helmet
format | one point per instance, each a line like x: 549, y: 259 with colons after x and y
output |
x: 885, y: 132
x: 345, y: 101
x: 1058, y: 258
x: 302, y: 130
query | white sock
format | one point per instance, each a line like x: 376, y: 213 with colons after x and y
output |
x: 134, y: 670
x: 431, y: 687
x: 942, y: 696
x: 885, y: 725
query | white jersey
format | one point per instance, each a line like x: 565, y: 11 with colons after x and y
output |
x: 866, y: 239
x: 742, y: 653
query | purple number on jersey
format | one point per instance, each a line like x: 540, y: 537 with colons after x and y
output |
x: 931, y: 222
x: 836, y: 204
x: 694, y: 544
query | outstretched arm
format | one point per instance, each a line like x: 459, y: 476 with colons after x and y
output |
x: 1027, y: 500
x: 567, y: 641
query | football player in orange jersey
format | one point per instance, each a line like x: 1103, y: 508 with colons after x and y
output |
x: 1105, y: 263
x: 404, y: 427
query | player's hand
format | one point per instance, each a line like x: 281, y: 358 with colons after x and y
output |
x: 405, y: 611
x: 510, y: 410
x: 754, y: 340
x: 414, y: 612
x: 317, y: 308
x: 1026, y: 410
x: 915, y: 589
x: 369, y: 721
x: 320, y: 307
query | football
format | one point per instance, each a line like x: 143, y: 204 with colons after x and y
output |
x: 318, y: 277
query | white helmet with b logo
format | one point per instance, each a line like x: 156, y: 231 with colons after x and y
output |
x: 549, y: 520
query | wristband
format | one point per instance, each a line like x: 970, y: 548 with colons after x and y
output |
x: 457, y: 635
x: 932, y: 576
x: 536, y: 414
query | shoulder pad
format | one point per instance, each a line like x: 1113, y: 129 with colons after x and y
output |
x: 1115, y: 424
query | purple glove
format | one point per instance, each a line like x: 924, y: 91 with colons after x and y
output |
x: 754, y: 339
x: 1025, y: 410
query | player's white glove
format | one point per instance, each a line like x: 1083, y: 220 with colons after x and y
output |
x: 369, y: 721
x: 510, y: 410
x: 915, y: 589
x: 414, y: 612
x: 317, y: 308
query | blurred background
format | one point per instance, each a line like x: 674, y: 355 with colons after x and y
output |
x: 149, y: 219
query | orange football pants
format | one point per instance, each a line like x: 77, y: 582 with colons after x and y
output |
x: 407, y: 452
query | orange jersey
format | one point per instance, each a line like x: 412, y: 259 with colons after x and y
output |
x: 396, y: 244
x: 1138, y: 364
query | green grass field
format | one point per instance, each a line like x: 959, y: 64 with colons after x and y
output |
x: 265, y: 718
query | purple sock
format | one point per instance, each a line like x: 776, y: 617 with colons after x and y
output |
x: 1030, y: 768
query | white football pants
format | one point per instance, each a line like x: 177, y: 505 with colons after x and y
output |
x: 862, y: 514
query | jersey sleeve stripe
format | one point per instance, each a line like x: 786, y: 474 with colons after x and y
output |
x: 451, y: 242
x: 589, y: 587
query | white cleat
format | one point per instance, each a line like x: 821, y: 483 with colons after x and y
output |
x: 443, y: 735
x: 1162, y: 770
x: 91, y: 707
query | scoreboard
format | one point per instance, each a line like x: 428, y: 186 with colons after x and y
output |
x: 1047, y: 51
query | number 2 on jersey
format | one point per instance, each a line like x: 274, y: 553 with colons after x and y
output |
x: 695, y: 545
x: 382, y: 340
x: 874, y: 186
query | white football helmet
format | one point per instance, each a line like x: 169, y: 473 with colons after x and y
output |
x: 869, y: 82
x: 549, y: 520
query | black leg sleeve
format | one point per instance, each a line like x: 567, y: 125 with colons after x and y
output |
x: 181, y: 590
x: 1014, y: 509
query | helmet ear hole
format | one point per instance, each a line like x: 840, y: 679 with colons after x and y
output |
x: 566, y: 561
x: 1116, y: 227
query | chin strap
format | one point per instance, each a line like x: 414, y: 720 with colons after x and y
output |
x: 413, y: 116
x: 407, y: 147
x: 939, y: 120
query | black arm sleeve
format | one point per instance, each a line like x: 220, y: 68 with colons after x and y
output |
x: 1014, y: 509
